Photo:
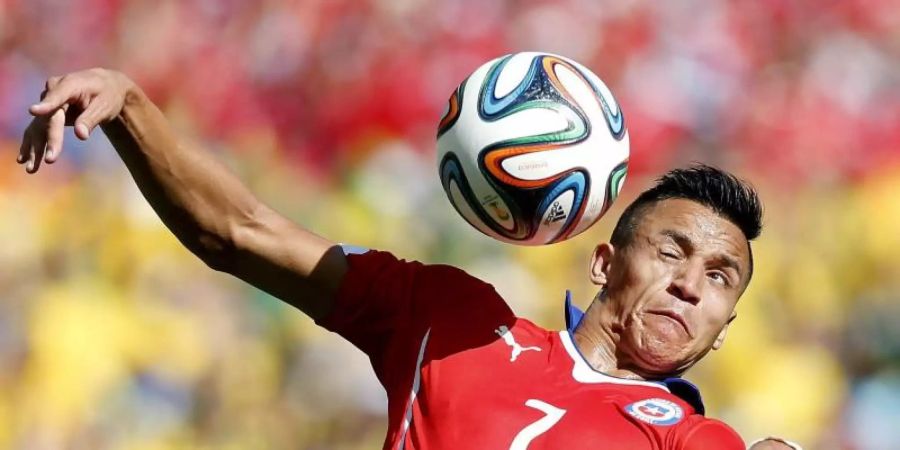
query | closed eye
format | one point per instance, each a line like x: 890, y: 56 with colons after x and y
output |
x: 670, y: 254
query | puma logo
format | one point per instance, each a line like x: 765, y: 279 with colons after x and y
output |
x: 510, y: 340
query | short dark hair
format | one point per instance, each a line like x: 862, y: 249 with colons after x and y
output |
x: 718, y: 190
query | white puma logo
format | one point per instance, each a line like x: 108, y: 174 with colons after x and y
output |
x: 510, y: 340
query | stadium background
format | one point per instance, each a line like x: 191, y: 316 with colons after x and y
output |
x: 114, y: 337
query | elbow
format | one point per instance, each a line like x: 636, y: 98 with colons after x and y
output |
x: 215, y: 232
x: 217, y: 253
x: 237, y: 239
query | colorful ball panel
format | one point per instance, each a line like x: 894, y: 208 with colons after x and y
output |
x: 532, y: 148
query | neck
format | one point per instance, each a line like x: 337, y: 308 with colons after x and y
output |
x: 597, y: 338
x: 598, y: 350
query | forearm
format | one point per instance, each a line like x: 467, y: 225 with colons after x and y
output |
x: 195, y: 195
x: 207, y: 208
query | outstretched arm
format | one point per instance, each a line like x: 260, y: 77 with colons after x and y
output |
x: 206, y: 206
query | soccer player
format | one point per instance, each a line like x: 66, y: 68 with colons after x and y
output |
x: 460, y: 369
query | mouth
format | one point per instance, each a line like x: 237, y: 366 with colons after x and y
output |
x: 675, y: 317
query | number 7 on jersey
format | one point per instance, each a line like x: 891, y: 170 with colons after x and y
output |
x: 529, y: 433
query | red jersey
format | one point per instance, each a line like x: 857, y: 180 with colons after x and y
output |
x: 463, y: 372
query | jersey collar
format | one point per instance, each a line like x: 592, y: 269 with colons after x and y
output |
x: 584, y: 373
x: 573, y: 314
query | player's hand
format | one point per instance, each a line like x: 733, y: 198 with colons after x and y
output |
x: 82, y: 99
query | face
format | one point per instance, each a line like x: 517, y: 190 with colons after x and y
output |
x: 672, y: 290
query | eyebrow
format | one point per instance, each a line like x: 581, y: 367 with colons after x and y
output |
x: 685, y: 241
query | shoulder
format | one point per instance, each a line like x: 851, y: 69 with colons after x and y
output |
x: 691, y: 430
x: 375, y: 275
x: 700, y: 433
x: 363, y: 262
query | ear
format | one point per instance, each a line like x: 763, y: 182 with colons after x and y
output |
x: 601, y: 263
x: 720, y: 339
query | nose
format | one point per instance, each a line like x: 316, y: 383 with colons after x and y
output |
x: 686, y: 284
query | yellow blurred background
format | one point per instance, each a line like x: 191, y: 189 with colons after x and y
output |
x: 112, y: 336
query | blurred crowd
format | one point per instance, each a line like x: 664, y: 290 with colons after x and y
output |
x: 112, y: 336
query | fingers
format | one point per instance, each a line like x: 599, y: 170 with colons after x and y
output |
x: 42, y: 141
x: 58, y: 92
x: 34, y: 152
x: 25, y: 148
x: 83, y: 99
x: 55, y: 128
x: 82, y: 130
x: 38, y: 146
x: 99, y: 109
x: 92, y: 93
x: 50, y: 84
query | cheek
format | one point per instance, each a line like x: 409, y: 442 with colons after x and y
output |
x: 633, y: 284
x: 642, y: 284
x: 716, y: 312
x: 643, y: 274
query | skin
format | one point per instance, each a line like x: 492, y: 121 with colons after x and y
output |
x: 204, y: 205
x: 683, y: 259
x: 771, y: 444
x: 218, y: 219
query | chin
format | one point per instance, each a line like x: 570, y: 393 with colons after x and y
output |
x: 659, y: 356
x: 660, y: 363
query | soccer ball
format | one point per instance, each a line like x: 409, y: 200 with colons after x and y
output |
x: 532, y: 148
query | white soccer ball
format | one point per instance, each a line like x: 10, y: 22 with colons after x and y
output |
x: 532, y: 148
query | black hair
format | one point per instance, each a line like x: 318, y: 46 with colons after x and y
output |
x: 718, y: 190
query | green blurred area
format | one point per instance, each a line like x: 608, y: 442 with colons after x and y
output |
x: 114, y: 336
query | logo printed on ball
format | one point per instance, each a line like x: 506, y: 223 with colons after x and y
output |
x: 534, y: 165
x: 493, y: 203
x: 556, y: 213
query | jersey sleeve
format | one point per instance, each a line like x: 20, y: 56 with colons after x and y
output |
x: 702, y: 433
x: 385, y: 306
